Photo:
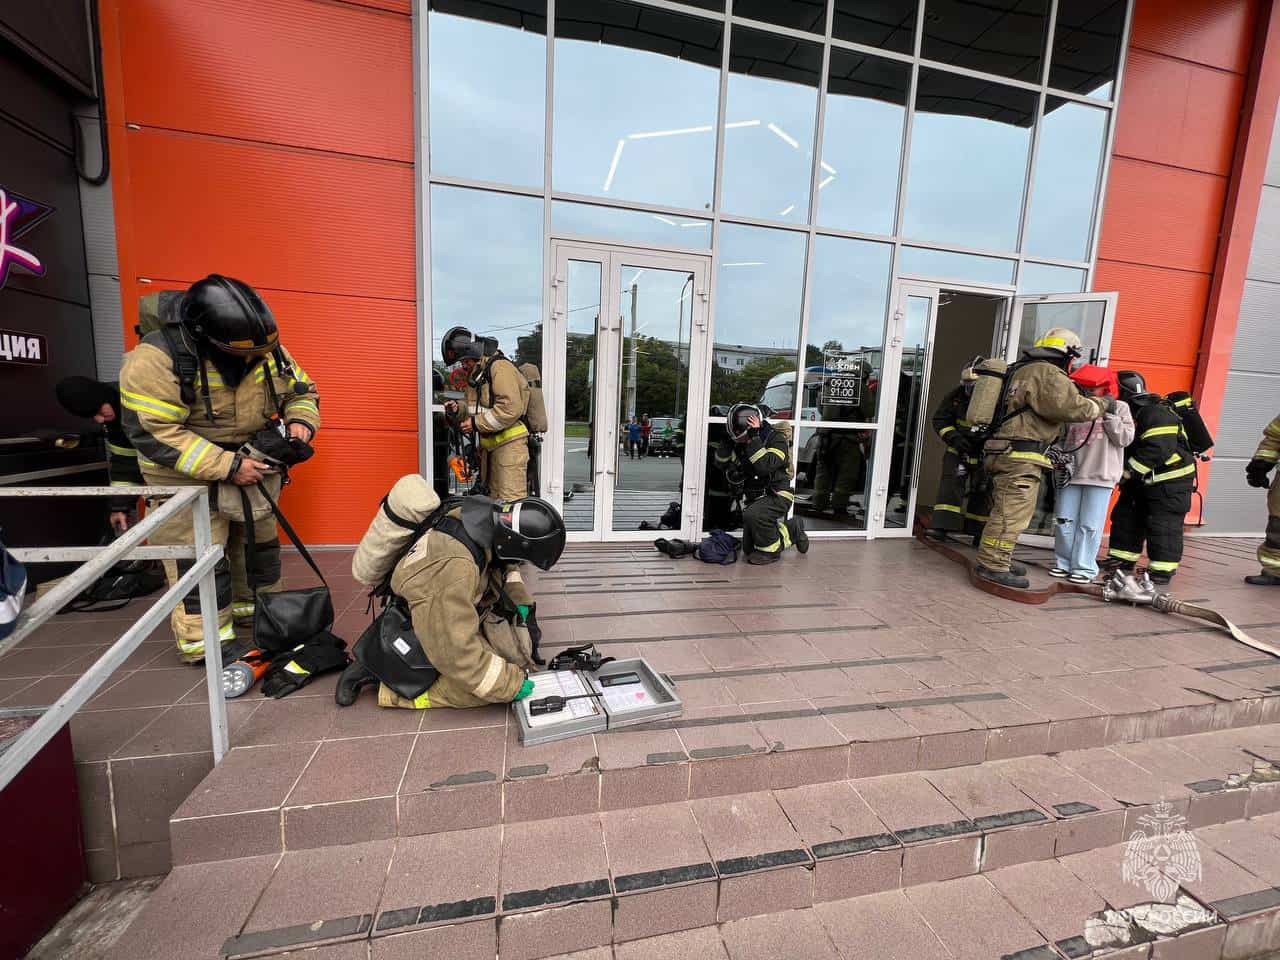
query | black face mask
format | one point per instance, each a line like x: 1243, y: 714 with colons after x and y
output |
x: 232, y: 369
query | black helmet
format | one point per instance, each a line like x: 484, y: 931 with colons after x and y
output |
x: 1132, y: 384
x: 229, y: 315
x: 736, y: 422
x: 459, y: 343
x: 529, y: 529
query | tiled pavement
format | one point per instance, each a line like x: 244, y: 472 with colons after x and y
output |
x: 858, y: 722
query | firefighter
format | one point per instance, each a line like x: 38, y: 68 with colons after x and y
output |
x: 471, y: 613
x: 1155, y: 488
x: 1039, y: 399
x: 496, y: 404
x: 761, y: 454
x: 961, y: 503
x: 840, y: 470
x: 194, y: 393
x: 1264, y: 458
x: 100, y: 402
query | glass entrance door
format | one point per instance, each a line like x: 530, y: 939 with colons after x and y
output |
x: 1091, y: 315
x: 627, y: 358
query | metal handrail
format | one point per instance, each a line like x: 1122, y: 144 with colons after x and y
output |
x: 98, y: 560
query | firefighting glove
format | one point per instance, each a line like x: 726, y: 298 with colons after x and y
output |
x: 294, y: 669
x: 526, y: 688
x: 1109, y: 404
x: 1256, y: 472
x: 530, y: 615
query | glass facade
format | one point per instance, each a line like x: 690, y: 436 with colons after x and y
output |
x: 816, y: 150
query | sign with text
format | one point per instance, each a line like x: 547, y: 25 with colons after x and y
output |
x: 18, y: 347
x: 842, y: 375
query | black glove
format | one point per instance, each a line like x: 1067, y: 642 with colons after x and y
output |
x: 1256, y: 472
x: 294, y: 669
x: 1109, y: 404
x: 535, y: 634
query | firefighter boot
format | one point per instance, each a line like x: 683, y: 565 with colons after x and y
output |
x: 759, y: 558
x: 1263, y: 580
x: 1006, y: 578
x: 355, y: 678
x: 798, y: 535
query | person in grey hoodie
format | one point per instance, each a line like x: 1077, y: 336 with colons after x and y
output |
x: 1099, y: 461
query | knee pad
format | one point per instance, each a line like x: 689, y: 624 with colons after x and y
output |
x: 221, y: 576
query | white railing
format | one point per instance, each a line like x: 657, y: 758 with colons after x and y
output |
x: 97, y: 561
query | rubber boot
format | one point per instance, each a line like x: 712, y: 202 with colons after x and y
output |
x: 352, y: 681
x: 1263, y: 580
x: 798, y: 535
x: 759, y: 558
x: 936, y: 533
x: 1006, y: 578
x: 1160, y: 579
x: 1017, y: 569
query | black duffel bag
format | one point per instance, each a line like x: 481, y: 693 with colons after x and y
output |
x: 391, y: 651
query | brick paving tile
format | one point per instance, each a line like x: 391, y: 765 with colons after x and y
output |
x: 1249, y: 844
x: 909, y: 802
x: 417, y: 889
x: 702, y: 944
x: 796, y: 933
x: 1102, y: 870
x: 972, y: 919
x: 1049, y: 895
x: 553, y: 862
x: 353, y: 769
x: 980, y: 792
x: 1120, y: 777
x: 886, y: 926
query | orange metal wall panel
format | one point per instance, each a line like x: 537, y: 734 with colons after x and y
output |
x: 1161, y: 216
x: 335, y: 493
x: 1162, y: 378
x: 274, y: 217
x: 1178, y: 113
x: 297, y: 72
x: 1218, y: 33
x: 1160, y: 311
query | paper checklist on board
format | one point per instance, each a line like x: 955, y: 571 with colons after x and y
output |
x: 561, y: 683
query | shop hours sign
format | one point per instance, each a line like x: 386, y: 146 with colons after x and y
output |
x: 842, y: 375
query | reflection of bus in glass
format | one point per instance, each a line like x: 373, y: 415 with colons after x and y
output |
x: 779, y: 397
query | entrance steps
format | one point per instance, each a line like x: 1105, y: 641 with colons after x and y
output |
x: 1003, y: 858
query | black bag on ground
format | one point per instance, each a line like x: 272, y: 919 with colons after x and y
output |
x: 285, y: 618
x: 113, y: 590
x: 719, y: 547
x: 391, y: 651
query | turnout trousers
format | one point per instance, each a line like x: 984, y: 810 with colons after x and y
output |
x: 1015, y: 489
x: 962, y: 502
x: 504, y: 470
x: 1269, y: 550
x: 764, y: 524
x: 1153, y: 514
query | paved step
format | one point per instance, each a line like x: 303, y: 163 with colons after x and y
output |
x: 627, y: 874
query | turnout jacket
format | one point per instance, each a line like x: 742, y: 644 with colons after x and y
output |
x: 447, y: 594
x: 1160, y: 452
x: 949, y: 418
x: 497, y: 398
x: 122, y: 459
x: 765, y: 460
x: 177, y: 442
x: 1269, y: 448
x: 1041, y: 398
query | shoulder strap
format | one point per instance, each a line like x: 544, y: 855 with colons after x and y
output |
x: 452, y: 527
x: 185, y: 363
x: 288, y: 529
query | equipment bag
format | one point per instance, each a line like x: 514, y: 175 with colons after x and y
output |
x: 535, y: 415
x: 13, y: 586
x: 718, y: 547
x: 285, y: 618
x: 113, y: 590
x: 391, y: 651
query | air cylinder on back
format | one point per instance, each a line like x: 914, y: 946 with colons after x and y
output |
x: 410, y: 502
x: 985, y: 399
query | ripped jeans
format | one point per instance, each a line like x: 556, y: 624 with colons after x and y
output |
x: 1077, y: 533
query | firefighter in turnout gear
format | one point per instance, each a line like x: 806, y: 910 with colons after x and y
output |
x: 1039, y: 399
x: 760, y: 454
x: 100, y: 402
x: 456, y: 568
x: 194, y: 392
x: 961, y: 503
x: 1264, y: 460
x: 841, y: 460
x: 496, y: 404
x: 1155, y: 488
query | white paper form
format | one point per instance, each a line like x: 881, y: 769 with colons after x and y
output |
x: 561, y: 683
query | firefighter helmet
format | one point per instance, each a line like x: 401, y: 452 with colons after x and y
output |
x: 736, y: 422
x: 229, y: 315
x: 1062, y: 341
x: 528, y: 529
x: 459, y: 344
x: 1132, y: 385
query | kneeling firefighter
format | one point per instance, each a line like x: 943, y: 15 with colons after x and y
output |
x: 760, y: 453
x: 459, y: 628
x: 1159, y: 478
x: 1022, y: 409
x: 496, y: 409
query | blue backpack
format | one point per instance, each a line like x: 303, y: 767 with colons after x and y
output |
x: 718, y: 547
x: 13, y: 584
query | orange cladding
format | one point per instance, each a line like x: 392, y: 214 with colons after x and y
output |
x: 273, y: 141
x: 1175, y: 142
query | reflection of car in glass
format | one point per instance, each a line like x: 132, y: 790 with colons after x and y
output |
x: 665, y: 438
x: 779, y: 396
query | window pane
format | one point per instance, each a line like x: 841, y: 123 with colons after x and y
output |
x: 579, y: 393
x: 808, y: 15
x: 969, y: 146
x: 1068, y: 164
x: 486, y: 269
x: 759, y: 288
x: 833, y: 477
x: 1083, y: 316
x: 635, y: 226
x: 769, y: 123
x: 862, y: 142
x: 1046, y: 278
x: 488, y: 71
x: 942, y: 265
x: 1086, y: 47
x: 850, y: 293
x: 889, y: 24
x: 1004, y: 37
x: 908, y: 410
x: 636, y: 90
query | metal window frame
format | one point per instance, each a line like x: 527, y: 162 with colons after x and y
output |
x: 812, y: 228
x: 98, y: 560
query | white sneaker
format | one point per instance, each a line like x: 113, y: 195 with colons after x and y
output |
x: 1059, y: 573
x: 1081, y: 578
